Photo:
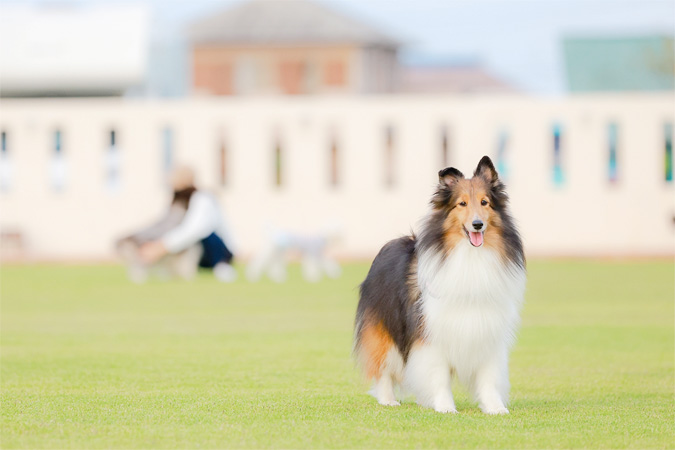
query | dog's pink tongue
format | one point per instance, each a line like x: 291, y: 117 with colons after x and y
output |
x: 476, y: 238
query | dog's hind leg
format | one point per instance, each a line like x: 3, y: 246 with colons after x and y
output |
x: 382, y: 361
x: 384, y: 390
x: 391, y: 372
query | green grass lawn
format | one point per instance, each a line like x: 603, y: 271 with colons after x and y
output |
x: 92, y: 361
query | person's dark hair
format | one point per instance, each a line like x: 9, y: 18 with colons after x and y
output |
x: 182, y: 197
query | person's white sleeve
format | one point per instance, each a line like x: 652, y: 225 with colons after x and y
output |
x: 200, y: 220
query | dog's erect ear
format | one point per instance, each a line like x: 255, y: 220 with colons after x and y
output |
x: 449, y: 176
x: 486, y: 170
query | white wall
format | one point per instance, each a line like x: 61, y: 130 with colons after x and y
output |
x: 585, y: 216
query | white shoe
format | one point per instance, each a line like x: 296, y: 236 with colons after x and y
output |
x: 225, y: 272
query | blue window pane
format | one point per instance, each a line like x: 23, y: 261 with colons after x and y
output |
x: 613, y: 133
x: 57, y: 141
x: 558, y: 173
x: 502, y: 157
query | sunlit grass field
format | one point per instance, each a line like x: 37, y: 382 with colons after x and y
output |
x: 90, y: 360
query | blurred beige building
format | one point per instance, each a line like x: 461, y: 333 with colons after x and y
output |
x: 66, y: 49
x: 289, y: 47
x: 588, y: 175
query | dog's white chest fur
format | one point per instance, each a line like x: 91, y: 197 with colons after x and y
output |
x: 471, y: 304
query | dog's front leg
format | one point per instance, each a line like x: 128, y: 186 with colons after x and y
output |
x: 427, y: 375
x: 491, y: 384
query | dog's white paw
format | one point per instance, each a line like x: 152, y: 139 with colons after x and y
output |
x: 496, y: 410
x: 389, y: 402
x: 445, y: 407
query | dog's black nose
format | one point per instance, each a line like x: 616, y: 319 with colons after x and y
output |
x: 477, y: 224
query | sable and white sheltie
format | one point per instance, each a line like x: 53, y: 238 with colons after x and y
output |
x: 446, y: 302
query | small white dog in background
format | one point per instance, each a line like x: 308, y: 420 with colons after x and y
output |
x: 311, y: 248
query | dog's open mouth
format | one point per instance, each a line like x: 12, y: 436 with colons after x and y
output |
x: 475, y: 237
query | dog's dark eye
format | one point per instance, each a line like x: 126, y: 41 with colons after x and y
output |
x: 483, y: 202
x: 462, y: 203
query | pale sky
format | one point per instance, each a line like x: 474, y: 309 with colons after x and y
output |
x: 516, y: 40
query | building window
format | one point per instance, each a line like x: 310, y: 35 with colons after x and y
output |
x: 445, y: 147
x: 612, y: 139
x: 113, y: 163
x: 312, y: 81
x: 389, y: 158
x: 335, y: 74
x: 334, y: 162
x: 222, y: 79
x: 558, y: 170
x: 502, y: 154
x: 668, y: 155
x: 5, y: 164
x: 217, y: 79
x: 292, y: 77
x: 278, y: 162
x: 167, y: 152
x: 246, y: 76
x: 58, y: 166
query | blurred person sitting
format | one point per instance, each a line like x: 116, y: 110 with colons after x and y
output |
x: 192, y: 234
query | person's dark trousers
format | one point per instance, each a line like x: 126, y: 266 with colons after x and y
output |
x: 215, y: 251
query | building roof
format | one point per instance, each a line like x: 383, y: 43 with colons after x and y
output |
x: 285, y: 22
x: 620, y: 64
x: 450, y: 79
